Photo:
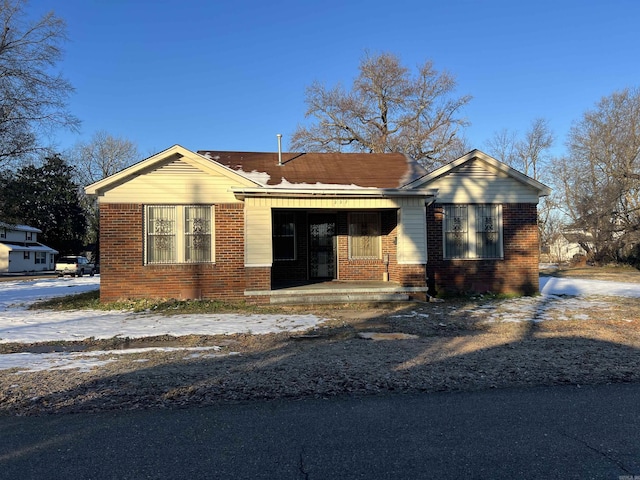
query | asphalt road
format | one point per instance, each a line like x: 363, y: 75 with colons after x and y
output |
x: 557, y: 432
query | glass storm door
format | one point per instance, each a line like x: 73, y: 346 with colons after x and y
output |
x: 322, y: 250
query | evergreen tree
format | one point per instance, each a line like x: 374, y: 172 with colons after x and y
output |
x: 47, y: 198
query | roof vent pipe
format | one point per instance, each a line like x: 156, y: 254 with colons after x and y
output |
x: 279, y: 135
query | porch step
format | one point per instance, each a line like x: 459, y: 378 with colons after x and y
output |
x: 339, y: 292
x: 325, y: 297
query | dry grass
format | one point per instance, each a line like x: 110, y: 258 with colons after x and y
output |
x: 615, y: 273
x: 463, y: 344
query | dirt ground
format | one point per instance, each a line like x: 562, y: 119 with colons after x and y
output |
x: 455, y: 345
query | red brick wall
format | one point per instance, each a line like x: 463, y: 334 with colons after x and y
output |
x: 349, y: 269
x: 353, y: 269
x: 258, y: 278
x: 516, y: 273
x: 124, y: 275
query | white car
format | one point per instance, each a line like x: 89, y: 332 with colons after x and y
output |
x: 76, y: 266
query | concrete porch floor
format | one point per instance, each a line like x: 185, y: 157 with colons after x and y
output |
x: 338, y: 291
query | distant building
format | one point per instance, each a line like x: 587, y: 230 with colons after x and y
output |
x: 20, y: 250
x: 567, y: 245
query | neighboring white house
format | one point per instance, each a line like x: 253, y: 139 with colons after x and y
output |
x: 20, y: 250
x: 568, y: 244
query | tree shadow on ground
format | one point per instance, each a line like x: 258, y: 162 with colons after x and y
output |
x: 460, y: 347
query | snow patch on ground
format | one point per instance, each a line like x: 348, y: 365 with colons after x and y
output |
x: 561, y: 298
x: 539, y: 309
x: 19, y: 325
x: 85, y: 361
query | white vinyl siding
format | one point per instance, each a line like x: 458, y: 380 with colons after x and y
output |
x: 257, y: 235
x: 332, y: 203
x: 176, y: 182
x: 472, y: 231
x: 478, y: 183
x: 364, y: 236
x: 412, y: 235
x: 179, y: 234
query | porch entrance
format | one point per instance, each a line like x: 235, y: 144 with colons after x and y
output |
x: 322, y: 246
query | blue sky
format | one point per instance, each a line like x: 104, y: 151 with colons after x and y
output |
x: 230, y: 75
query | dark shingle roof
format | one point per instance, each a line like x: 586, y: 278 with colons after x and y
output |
x: 380, y: 170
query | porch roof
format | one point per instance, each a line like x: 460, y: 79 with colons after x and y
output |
x: 274, y: 192
x: 29, y: 247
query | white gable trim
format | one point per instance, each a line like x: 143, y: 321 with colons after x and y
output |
x: 192, y: 158
x: 490, y: 162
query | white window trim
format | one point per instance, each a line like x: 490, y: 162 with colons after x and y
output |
x: 180, y: 235
x: 379, y: 218
x: 471, y: 230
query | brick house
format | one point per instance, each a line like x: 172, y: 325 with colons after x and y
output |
x: 250, y: 226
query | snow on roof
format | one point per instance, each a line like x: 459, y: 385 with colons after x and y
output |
x: 372, y: 170
x: 256, y: 176
x: 32, y: 247
x: 319, y: 186
x: 20, y: 228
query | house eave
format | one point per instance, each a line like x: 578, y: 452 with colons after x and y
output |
x: 18, y: 247
x: 242, y: 193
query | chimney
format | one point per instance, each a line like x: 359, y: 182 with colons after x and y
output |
x: 279, y: 135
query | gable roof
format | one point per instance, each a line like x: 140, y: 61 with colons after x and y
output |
x: 368, y: 170
x: 164, y: 156
x: 488, y: 162
x: 19, y: 228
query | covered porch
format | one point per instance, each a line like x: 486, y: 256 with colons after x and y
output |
x: 338, y: 246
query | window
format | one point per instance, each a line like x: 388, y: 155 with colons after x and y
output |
x: 3, y: 232
x: 179, y: 234
x: 197, y: 222
x: 284, y: 236
x: 28, y: 235
x: 364, y: 236
x: 26, y: 255
x: 473, y: 231
x: 41, y: 258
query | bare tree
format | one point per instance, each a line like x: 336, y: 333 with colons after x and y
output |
x: 530, y: 155
x: 102, y: 156
x: 502, y: 146
x: 32, y: 97
x: 387, y: 110
x: 601, y: 175
x: 534, y: 149
x: 526, y: 154
x: 94, y: 160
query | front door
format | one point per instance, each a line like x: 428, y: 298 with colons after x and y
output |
x: 322, y: 249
